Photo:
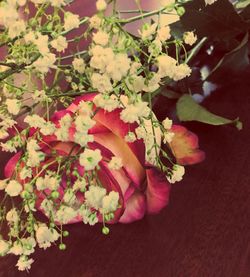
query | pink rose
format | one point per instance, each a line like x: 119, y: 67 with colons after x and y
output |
x: 142, y: 188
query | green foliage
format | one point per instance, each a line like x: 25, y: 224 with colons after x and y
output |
x: 189, y: 110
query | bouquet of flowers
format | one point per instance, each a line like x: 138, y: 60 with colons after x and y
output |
x: 77, y: 112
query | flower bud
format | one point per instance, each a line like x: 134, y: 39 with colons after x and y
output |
x: 105, y: 230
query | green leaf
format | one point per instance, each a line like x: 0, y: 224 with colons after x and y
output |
x: 219, y: 20
x: 242, y: 4
x: 232, y: 62
x: 189, y: 110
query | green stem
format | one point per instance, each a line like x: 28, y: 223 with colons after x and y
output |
x: 196, y: 49
x: 142, y: 16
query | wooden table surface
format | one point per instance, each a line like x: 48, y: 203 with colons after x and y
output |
x: 204, y: 231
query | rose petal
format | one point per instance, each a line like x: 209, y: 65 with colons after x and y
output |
x: 120, y: 149
x: 135, y: 208
x: 11, y: 165
x: 185, y: 146
x: 158, y: 190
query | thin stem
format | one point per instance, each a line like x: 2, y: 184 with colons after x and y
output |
x: 142, y: 16
x: 196, y: 49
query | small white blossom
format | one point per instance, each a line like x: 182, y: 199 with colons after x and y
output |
x: 71, y: 21
x: 13, y: 188
x: 65, y: 214
x: 60, y: 44
x: 177, y: 174
x: 94, y: 196
x: 44, y: 63
x: 210, y: 2
x: 25, y: 173
x: 163, y: 33
x: 168, y: 137
x: 130, y: 137
x: 135, y: 83
x: 167, y: 123
x: 84, y: 123
x: 101, y: 38
x: 69, y: 197
x: 16, y: 28
x: 89, y: 159
x: 181, y: 71
x: 118, y: 67
x: 45, y: 236
x: 108, y: 103
x: 79, y: 65
x: 24, y: 263
x: 35, y: 121
x: 101, y: 5
x: 13, y: 106
x: 147, y: 31
x: 189, y: 38
x: 101, y: 83
x: 12, y: 216
x: 95, y: 22
x: 58, y: 3
x: 42, y: 44
x: 166, y: 66
x: 110, y: 202
x: 101, y: 57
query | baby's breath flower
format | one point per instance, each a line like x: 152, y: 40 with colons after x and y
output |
x: 210, y: 2
x: 12, y: 216
x: 166, y: 65
x: 13, y: 106
x: 147, y: 31
x: 163, y: 33
x: 108, y: 103
x: 101, y: 5
x: 189, y: 38
x: 101, y: 38
x: 44, y: 63
x: 58, y: 3
x: 13, y: 188
x: 110, y: 202
x: 130, y: 137
x: 167, y: 123
x: 101, y: 82
x: 16, y: 28
x: 24, y: 263
x: 95, y: 22
x: 177, y: 174
x: 89, y: 159
x: 71, y: 21
x: 168, y: 137
x: 181, y: 71
x: 46, y: 236
x: 79, y: 65
x: 60, y: 44
x: 65, y: 214
x: 94, y: 196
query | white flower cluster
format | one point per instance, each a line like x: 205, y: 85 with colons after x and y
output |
x: 46, y: 128
x: 35, y: 156
x: 97, y: 198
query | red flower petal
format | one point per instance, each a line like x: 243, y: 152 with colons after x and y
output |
x: 185, y: 146
x: 135, y: 208
x: 11, y: 165
x: 158, y: 190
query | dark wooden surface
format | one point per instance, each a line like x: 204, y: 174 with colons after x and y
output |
x: 205, y: 230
